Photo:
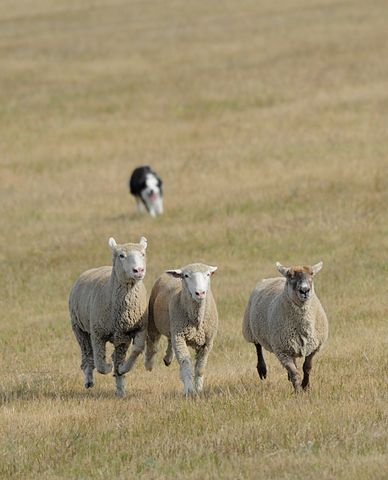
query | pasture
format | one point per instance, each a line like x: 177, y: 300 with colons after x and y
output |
x: 268, y: 123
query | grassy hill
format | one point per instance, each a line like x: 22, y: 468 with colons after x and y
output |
x: 268, y: 123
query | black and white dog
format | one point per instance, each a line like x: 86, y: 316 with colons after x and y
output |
x: 146, y: 187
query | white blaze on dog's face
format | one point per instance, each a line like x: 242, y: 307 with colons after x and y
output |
x: 196, y: 279
x: 151, y: 195
x: 131, y: 258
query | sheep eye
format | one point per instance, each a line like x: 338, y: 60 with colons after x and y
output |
x: 186, y: 276
x: 122, y: 255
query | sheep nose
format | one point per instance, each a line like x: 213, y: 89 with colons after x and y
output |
x: 304, y: 289
x: 138, y: 270
x: 200, y: 294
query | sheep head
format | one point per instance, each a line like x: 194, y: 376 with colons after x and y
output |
x: 195, y: 279
x: 299, y: 281
x: 129, y: 259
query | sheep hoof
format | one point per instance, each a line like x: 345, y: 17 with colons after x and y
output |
x: 262, y: 373
x: 149, y: 365
x: 297, y: 387
x: 121, y: 369
x: 189, y: 393
x: 105, y: 369
x: 120, y: 393
x: 89, y: 384
x: 167, y: 362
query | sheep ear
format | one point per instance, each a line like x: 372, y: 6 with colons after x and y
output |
x: 317, y: 267
x: 175, y: 273
x: 283, y: 270
x: 143, y: 242
x: 112, y: 244
x: 212, y: 270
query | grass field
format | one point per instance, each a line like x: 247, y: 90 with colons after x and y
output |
x: 268, y: 123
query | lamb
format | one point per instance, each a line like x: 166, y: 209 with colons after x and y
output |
x: 182, y: 308
x: 285, y: 316
x: 109, y: 304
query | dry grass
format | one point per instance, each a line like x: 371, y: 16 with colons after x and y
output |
x: 268, y: 123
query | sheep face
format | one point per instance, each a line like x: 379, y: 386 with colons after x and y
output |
x: 195, y: 279
x: 299, y: 281
x: 129, y: 259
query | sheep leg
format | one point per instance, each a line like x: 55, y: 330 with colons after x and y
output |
x: 293, y: 374
x: 137, y: 349
x: 152, y: 342
x: 261, y: 366
x: 186, y: 370
x: 99, y: 355
x: 169, y: 356
x: 296, y: 366
x: 118, y: 357
x: 201, y: 358
x: 87, y: 364
x: 307, y: 365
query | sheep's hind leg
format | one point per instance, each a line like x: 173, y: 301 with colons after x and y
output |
x: 202, y: 355
x: 293, y: 374
x: 137, y: 349
x: 186, y: 370
x: 307, y: 365
x: 87, y: 363
x: 152, y: 342
x: 99, y: 355
x: 261, y: 366
x: 169, y: 356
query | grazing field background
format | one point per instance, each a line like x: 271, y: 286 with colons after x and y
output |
x: 268, y: 124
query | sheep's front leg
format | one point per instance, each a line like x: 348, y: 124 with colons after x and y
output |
x: 307, y: 365
x: 293, y: 374
x: 118, y: 357
x: 202, y: 355
x: 296, y: 366
x: 137, y: 349
x: 99, y: 355
x: 186, y: 370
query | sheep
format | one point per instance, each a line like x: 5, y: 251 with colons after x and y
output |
x: 109, y: 304
x: 182, y: 308
x: 285, y: 316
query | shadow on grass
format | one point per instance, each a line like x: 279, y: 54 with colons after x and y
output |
x: 45, y: 388
x: 34, y: 388
x: 122, y: 217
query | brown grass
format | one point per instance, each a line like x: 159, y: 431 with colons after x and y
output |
x: 268, y: 124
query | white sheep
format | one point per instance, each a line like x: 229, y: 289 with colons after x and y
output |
x: 109, y: 304
x: 285, y: 316
x: 182, y: 308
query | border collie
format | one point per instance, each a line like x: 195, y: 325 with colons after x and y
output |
x: 146, y: 187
